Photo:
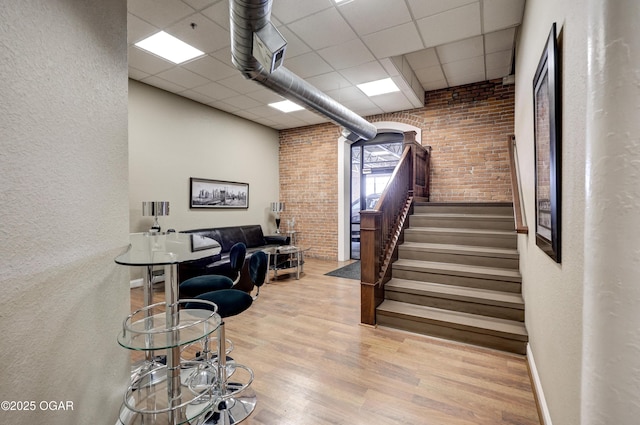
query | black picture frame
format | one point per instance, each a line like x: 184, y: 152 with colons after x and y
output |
x: 547, y: 136
x: 221, y: 194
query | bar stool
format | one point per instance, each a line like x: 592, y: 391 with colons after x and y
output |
x: 235, y: 400
x: 198, y: 285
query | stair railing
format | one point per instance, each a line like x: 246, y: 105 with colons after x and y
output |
x: 516, y: 188
x: 381, y: 228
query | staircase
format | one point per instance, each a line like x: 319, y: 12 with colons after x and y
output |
x: 457, y: 277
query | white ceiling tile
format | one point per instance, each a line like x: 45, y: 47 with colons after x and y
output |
x: 464, y: 49
x: 216, y: 91
x: 206, y: 36
x: 136, y: 74
x: 430, y: 75
x: 201, y: 4
x: 461, y: 68
x: 218, y: 13
x: 453, y: 25
x: 197, y: 96
x: 266, y: 122
x: 147, y: 62
x: 499, y: 60
x: 210, y: 68
x: 499, y: 14
x: 244, y: 113
x: 160, y: 13
x: 163, y: 84
x: 425, y: 58
x: 265, y: 96
x: 242, y: 102
x: 287, y: 120
x: 394, y: 41
x: 466, y: 79
x: 367, y: 112
x: 364, y: 73
x: 324, y: 29
x: 290, y: 10
x: 308, y: 65
x: 391, y: 102
x: 263, y: 111
x: 493, y: 73
x: 347, y: 55
x: 392, y: 65
x: 328, y: 81
x: 223, y: 106
x: 499, y: 40
x: 422, y: 8
x: 240, y: 84
x: 303, y: 115
x: 376, y: 16
x: 183, y: 77
x: 137, y: 29
x: 346, y: 94
x: 295, y: 46
x: 224, y: 55
x: 436, y: 85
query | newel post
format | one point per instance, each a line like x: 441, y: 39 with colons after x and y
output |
x: 370, y: 248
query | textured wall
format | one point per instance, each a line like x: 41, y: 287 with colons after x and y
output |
x: 466, y: 127
x: 553, y: 292
x: 63, y: 208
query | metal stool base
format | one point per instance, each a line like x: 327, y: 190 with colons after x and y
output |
x: 235, y: 409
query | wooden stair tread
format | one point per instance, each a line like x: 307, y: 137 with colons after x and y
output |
x: 482, y: 272
x: 480, y: 251
x: 464, y: 216
x: 455, y: 319
x: 455, y: 230
x: 459, y: 293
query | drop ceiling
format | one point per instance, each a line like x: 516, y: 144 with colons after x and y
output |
x: 422, y: 45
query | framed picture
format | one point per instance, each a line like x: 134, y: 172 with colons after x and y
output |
x: 218, y: 194
x: 547, y: 134
x: 200, y: 243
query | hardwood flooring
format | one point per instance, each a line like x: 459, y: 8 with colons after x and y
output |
x: 315, y: 364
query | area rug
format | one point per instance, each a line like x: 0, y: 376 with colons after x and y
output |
x: 350, y: 271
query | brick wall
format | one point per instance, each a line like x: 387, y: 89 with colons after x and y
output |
x: 466, y: 126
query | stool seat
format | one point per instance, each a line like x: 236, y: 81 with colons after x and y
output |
x: 230, y: 302
x: 198, y: 285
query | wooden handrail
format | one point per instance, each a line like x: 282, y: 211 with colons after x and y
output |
x: 521, y: 227
x: 381, y: 229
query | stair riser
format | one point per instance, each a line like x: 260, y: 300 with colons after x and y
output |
x: 508, y: 241
x: 463, y: 209
x: 472, y: 260
x: 461, y: 223
x: 471, y: 282
x: 461, y: 335
x: 457, y: 305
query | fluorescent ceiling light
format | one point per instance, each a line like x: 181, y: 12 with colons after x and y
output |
x: 286, y: 106
x: 375, y: 88
x: 168, y: 47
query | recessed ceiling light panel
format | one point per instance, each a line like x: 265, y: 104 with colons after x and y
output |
x: 286, y: 106
x: 375, y: 88
x: 168, y: 47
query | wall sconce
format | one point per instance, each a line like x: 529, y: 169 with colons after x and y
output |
x: 154, y: 209
x: 277, y: 208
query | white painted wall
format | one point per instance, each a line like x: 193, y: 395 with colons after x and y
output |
x: 63, y: 208
x: 553, y: 292
x: 172, y: 138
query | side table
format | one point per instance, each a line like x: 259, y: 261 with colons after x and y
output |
x: 285, y: 257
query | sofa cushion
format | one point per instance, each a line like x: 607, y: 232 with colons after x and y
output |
x: 228, y: 236
x: 253, y: 235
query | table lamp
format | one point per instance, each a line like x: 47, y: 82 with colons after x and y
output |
x: 277, y: 208
x: 154, y: 209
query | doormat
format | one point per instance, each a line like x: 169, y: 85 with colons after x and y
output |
x: 350, y: 271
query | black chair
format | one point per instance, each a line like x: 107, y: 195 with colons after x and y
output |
x: 235, y: 400
x: 198, y: 285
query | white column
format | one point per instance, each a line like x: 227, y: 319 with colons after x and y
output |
x: 611, y: 312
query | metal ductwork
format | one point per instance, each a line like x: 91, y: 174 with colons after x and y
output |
x: 249, y: 16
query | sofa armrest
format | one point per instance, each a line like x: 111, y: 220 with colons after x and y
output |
x: 277, y: 240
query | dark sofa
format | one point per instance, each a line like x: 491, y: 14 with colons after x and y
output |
x: 250, y: 235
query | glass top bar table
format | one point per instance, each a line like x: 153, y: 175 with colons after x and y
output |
x: 165, y: 400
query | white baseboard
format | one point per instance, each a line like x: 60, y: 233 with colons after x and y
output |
x: 135, y: 283
x: 537, y: 387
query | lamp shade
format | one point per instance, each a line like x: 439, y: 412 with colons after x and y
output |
x: 277, y: 207
x: 155, y: 208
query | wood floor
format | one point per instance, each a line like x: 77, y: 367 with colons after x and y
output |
x: 315, y: 364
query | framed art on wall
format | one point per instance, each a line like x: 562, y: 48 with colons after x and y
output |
x: 206, y: 193
x: 547, y: 136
